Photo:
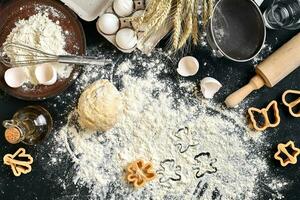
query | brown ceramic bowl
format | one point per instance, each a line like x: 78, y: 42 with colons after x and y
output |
x: 75, y: 43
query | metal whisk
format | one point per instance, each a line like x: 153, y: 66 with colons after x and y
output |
x: 32, y: 56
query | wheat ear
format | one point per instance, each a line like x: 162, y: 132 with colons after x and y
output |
x: 159, y: 17
x: 195, y: 31
x: 150, y: 9
x: 187, y: 32
x: 204, y: 13
x: 210, y: 8
x: 177, y: 23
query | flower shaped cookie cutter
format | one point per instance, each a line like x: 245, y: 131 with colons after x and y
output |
x: 293, y: 104
x: 264, y: 112
x: 19, y: 166
x: 291, y: 157
x: 139, y: 173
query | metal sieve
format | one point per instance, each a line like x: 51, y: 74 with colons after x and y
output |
x: 236, y: 29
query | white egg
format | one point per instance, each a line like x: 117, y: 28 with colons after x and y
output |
x: 209, y: 87
x: 108, y: 23
x: 123, y: 8
x: 45, y: 74
x: 126, y: 38
x: 15, y: 77
x: 188, y: 66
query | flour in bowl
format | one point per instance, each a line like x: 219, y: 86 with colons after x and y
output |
x: 39, y: 32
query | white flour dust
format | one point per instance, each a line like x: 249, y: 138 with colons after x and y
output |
x: 198, y: 148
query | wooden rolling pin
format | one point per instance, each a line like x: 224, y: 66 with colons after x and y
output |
x: 272, y: 70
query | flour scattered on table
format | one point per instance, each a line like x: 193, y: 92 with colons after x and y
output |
x: 198, y: 148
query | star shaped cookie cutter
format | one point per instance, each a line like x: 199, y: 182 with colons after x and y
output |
x: 291, y: 156
x: 264, y: 112
x: 139, y: 173
x: 293, y: 104
x: 19, y: 166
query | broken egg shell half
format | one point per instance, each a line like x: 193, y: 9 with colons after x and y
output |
x: 209, y: 87
x: 188, y: 66
x: 15, y: 77
x: 45, y: 74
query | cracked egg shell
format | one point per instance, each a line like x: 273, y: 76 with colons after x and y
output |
x: 15, y: 77
x: 209, y: 87
x: 45, y: 74
x: 188, y: 66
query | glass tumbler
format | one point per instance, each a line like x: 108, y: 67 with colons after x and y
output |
x: 283, y: 14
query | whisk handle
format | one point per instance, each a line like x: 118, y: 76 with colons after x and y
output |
x: 82, y: 60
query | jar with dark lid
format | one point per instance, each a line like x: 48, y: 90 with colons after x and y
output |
x: 29, y: 125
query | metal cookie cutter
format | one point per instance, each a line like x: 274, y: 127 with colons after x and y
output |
x: 264, y: 112
x: 293, y: 104
x: 19, y: 166
x: 291, y: 156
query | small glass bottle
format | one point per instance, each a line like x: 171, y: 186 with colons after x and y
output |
x: 29, y: 125
x: 283, y: 14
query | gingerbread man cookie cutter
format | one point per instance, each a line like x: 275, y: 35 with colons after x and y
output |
x: 293, y: 104
x: 291, y: 157
x: 264, y: 112
x: 169, y: 172
x: 19, y: 167
x: 139, y: 173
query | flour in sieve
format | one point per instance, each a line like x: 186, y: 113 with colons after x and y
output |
x: 198, y: 148
x: 39, y: 32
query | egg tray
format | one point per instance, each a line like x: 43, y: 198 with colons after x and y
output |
x: 124, y: 22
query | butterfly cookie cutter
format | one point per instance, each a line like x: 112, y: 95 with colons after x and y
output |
x: 291, y: 156
x: 293, y: 104
x: 19, y: 167
x: 264, y: 112
x: 139, y: 173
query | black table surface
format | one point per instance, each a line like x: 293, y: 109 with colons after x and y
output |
x: 36, y: 186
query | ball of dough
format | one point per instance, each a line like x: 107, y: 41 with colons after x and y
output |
x: 99, y: 106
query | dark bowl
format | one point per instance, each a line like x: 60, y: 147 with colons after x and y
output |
x: 75, y: 43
